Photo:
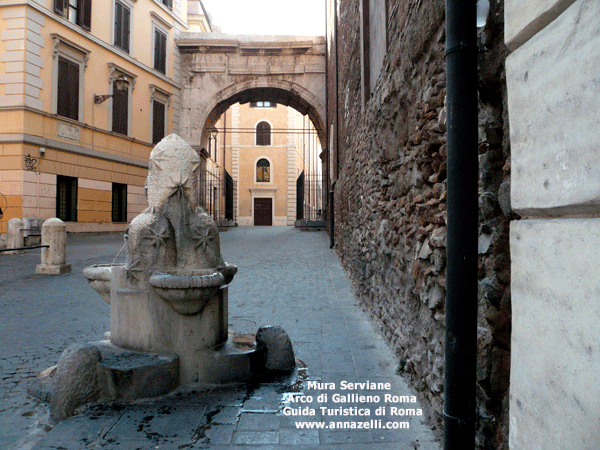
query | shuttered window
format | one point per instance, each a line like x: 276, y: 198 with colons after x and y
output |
x: 160, y: 51
x: 66, y: 198
x: 263, y: 133
x: 120, y: 111
x: 158, y: 121
x: 68, y: 89
x: 122, y: 26
x: 78, y: 12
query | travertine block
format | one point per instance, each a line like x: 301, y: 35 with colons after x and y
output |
x: 553, y: 93
x: 555, y: 344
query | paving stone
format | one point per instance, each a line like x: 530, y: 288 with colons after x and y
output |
x: 293, y: 436
x: 255, y: 437
x: 308, y: 295
x: 258, y: 422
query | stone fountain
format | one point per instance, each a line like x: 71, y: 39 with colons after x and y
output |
x: 168, y: 302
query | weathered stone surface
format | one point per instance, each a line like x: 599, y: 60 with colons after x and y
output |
x: 391, y: 208
x: 54, y: 257
x: 504, y: 198
x: 15, y: 234
x: 43, y: 384
x: 524, y: 19
x: 279, y: 354
x: 76, y: 380
x: 555, y: 392
x: 554, y: 132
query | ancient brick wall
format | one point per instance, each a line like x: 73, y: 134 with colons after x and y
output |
x: 390, y: 200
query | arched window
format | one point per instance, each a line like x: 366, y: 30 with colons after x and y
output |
x: 263, y: 133
x: 263, y: 171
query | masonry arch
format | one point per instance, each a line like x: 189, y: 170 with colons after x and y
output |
x: 281, y: 92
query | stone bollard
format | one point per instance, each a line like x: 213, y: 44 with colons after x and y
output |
x: 16, y: 235
x: 54, y: 258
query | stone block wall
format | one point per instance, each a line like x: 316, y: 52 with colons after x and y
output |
x: 390, y: 199
x: 553, y: 91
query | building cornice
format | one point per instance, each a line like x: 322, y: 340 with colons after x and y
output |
x: 92, y: 38
x: 70, y: 148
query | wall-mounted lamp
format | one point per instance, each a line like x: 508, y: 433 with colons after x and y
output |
x: 121, y: 85
x: 42, y: 151
x: 212, y: 138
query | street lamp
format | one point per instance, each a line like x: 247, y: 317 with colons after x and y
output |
x: 121, y: 85
x: 213, y: 138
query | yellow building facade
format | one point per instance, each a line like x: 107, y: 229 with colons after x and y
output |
x: 263, y: 148
x: 86, y: 89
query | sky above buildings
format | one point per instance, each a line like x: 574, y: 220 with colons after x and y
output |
x: 272, y: 17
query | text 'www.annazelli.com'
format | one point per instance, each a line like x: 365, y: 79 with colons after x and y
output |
x: 365, y: 425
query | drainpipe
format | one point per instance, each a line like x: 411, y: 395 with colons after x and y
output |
x: 461, y: 272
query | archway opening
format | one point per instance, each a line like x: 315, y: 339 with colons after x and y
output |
x: 258, y: 128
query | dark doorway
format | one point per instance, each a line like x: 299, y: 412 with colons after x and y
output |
x: 263, y: 211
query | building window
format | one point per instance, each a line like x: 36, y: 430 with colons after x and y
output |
x: 68, y: 89
x: 68, y: 66
x: 263, y: 133
x: 263, y: 171
x: 263, y: 105
x: 122, y: 26
x: 119, y: 202
x: 167, y: 3
x: 158, y: 121
x: 78, y: 12
x: 120, y: 111
x: 66, y: 198
x: 160, y: 51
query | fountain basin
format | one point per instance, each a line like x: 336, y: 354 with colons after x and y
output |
x: 187, y: 290
x: 99, y: 276
x: 228, y: 271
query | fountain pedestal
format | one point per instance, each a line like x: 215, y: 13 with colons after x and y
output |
x: 168, y: 302
x: 141, y: 320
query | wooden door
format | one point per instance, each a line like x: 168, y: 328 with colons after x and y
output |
x: 263, y: 211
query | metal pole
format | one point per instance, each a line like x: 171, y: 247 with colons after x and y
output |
x: 461, y: 272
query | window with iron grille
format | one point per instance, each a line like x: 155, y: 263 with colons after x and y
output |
x: 68, y: 89
x: 78, y: 12
x: 263, y: 133
x: 120, y: 111
x: 66, y: 198
x: 119, y: 202
x: 158, y: 121
x: 160, y: 51
x: 263, y: 171
x: 122, y: 26
x: 263, y: 105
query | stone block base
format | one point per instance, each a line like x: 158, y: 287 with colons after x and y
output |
x: 127, y: 375
x: 59, y: 269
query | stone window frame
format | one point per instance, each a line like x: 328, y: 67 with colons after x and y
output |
x: 115, y: 71
x: 255, y: 167
x: 270, y: 133
x: 161, y: 96
x: 76, y: 54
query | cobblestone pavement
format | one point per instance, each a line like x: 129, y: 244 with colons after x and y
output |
x: 286, y: 277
